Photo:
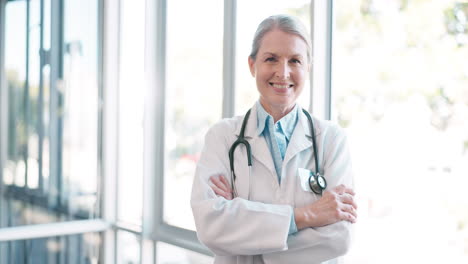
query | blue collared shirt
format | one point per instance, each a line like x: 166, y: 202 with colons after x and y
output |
x: 282, y: 131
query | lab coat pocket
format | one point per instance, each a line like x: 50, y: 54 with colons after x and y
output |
x: 303, y: 176
x: 305, y: 195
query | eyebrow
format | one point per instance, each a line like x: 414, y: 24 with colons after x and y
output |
x: 270, y: 54
x: 275, y: 55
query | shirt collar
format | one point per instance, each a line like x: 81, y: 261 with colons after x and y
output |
x: 287, y: 123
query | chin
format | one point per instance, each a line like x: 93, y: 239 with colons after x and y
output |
x: 283, y: 103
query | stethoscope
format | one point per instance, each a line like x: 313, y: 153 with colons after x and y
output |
x: 317, y: 182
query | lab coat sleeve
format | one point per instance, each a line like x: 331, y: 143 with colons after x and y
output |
x: 316, y: 245
x: 238, y: 226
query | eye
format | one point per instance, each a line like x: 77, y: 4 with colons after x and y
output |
x: 270, y: 59
x: 296, y: 61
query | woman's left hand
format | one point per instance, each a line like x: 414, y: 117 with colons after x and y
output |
x: 221, y: 186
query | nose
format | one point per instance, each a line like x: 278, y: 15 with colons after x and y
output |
x: 283, y: 70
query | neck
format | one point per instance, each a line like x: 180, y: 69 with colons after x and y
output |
x: 277, y: 112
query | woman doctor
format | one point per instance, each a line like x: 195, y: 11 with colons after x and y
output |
x: 270, y: 213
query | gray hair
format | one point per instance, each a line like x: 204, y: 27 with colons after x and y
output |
x: 285, y: 23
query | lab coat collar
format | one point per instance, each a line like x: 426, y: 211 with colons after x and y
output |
x: 287, y: 122
x: 258, y: 145
x: 305, y: 124
x: 301, y: 138
x: 251, y: 128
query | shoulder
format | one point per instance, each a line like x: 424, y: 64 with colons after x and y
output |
x: 224, y: 129
x: 323, y: 128
x: 329, y: 129
x: 225, y: 125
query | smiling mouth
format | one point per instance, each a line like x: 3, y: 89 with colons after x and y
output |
x: 281, y: 86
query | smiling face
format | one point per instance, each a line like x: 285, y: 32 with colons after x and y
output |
x: 280, y: 69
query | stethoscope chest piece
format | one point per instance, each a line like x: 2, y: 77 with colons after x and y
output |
x: 317, y: 183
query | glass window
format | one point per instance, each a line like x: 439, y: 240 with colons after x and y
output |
x: 15, y: 65
x: 249, y: 15
x: 194, y: 97
x: 128, y: 248
x: 131, y: 106
x: 33, y: 193
x: 399, y: 90
x: 167, y: 254
x: 81, y: 106
x: 32, y: 91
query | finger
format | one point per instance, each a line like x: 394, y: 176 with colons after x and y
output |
x: 219, y: 191
x: 225, y: 190
x: 349, y: 209
x: 219, y: 184
x: 340, y: 189
x: 351, y: 218
x: 216, y: 189
x: 348, y: 199
x: 348, y: 217
x: 350, y: 191
x: 224, y: 187
x: 225, y: 181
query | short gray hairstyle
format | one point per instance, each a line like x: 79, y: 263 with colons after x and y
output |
x: 285, y: 23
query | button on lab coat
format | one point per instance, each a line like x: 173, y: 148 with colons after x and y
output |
x: 253, y: 228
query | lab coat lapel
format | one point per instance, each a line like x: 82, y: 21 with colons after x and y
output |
x: 261, y: 153
x: 260, y: 150
x: 301, y: 138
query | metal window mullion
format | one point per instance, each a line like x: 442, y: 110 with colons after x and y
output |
x: 154, y: 126
x: 229, y: 58
x: 320, y: 76
x: 159, y: 119
x: 110, y: 87
x: 56, y: 75
x: 3, y: 100
x: 100, y: 62
x: 40, y: 112
x: 3, y: 121
x: 329, y: 38
x: 158, y: 123
x: 27, y: 109
x: 28, y: 232
x: 328, y: 62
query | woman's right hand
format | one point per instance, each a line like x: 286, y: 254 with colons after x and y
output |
x: 220, y: 185
x: 335, y: 205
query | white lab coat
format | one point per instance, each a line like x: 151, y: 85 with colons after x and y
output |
x: 255, y: 229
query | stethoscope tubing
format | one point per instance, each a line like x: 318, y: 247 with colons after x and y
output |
x: 317, y: 182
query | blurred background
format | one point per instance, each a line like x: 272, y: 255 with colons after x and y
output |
x: 104, y: 106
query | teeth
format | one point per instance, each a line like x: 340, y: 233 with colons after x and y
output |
x: 281, y: 86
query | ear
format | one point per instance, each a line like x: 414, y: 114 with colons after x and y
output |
x: 252, y: 66
x: 309, y: 67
